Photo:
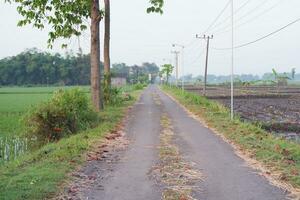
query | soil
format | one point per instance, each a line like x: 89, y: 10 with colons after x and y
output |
x: 275, y: 109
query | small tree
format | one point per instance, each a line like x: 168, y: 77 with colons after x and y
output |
x: 167, y: 70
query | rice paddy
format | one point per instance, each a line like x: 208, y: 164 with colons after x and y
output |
x: 14, y: 103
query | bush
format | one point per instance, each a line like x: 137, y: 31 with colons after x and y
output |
x: 117, y: 96
x: 67, y: 112
x: 139, y: 86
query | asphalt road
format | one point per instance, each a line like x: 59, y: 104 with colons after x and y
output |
x: 225, y: 175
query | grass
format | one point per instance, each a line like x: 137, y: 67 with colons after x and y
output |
x: 38, y: 90
x: 15, y: 101
x: 39, y: 174
x: 278, y: 155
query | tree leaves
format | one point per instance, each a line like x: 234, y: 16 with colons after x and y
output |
x: 156, y: 6
x: 66, y: 18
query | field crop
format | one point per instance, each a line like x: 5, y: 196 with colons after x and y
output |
x: 14, y: 103
x: 41, y: 173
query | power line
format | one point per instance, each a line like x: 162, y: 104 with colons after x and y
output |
x: 261, y: 38
x: 217, y: 18
x: 243, y: 16
x: 235, y: 12
x: 264, y: 12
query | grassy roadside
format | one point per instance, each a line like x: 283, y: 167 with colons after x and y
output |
x: 280, y: 157
x: 39, y: 175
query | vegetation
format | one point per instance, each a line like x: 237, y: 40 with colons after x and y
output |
x: 281, y: 79
x: 167, y: 70
x: 67, y: 112
x: 265, y: 79
x: 33, y: 67
x: 136, y: 74
x: 15, y: 102
x: 280, y: 156
x: 40, y: 174
x: 67, y: 20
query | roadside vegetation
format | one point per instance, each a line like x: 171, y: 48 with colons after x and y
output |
x: 281, y: 157
x: 67, y: 128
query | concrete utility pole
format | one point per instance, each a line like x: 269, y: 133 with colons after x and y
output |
x: 176, y: 63
x: 207, y: 38
x: 232, y: 58
x: 182, y: 62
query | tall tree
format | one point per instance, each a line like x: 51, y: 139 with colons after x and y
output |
x: 107, y: 42
x: 97, y: 97
x: 66, y: 18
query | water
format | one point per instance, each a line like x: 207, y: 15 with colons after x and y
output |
x: 12, y: 148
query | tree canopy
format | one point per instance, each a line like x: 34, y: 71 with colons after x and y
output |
x: 34, y: 67
x: 65, y: 18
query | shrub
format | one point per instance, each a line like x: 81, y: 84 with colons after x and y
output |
x: 67, y: 112
x: 138, y: 86
x: 117, y: 96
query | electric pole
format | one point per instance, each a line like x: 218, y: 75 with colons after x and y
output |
x: 176, y: 63
x: 182, y: 62
x: 207, y: 38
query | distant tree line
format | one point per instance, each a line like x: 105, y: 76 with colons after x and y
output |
x: 35, y: 67
x: 215, y: 79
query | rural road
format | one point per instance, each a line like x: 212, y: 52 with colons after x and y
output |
x: 225, y: 176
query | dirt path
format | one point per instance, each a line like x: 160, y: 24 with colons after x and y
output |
x: 126, y: 173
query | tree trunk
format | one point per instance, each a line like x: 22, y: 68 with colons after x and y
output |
x: 95, y: 56
x: 107, y: 42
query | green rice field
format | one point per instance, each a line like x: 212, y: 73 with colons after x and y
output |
x: 14, y: 103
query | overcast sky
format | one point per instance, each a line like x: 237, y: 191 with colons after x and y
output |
x: 139, y: 37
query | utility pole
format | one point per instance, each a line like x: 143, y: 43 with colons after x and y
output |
x: 176, y: 63
x: 232, y: 59
x: 207, y: 38
x: 182, y: 62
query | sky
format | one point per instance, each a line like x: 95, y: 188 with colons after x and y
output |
x: 138, y: 37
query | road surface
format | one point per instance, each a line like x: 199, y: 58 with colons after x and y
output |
x: 126, y: 175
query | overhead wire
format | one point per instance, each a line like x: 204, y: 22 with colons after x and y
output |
x: 208, y: 28
x: 235, y: 12
x: 261, y: 38
x: 264, y: 12
x: 218, y: 16
x: 243, y: 16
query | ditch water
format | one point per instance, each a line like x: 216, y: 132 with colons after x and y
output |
x: 12, y: 148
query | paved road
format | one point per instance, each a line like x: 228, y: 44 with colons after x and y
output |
x: 225, y: 175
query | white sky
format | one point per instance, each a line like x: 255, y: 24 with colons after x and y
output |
x: 139, y: 37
